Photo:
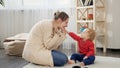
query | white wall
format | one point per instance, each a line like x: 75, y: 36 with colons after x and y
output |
x: 49, y: 4
x: 11, y: 4
x: 45, y: 4
x: 25, y: 18
x: 113, y: 23
x: 18, y: 19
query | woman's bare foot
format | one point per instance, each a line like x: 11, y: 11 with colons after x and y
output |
x: 82, y: 64
x: 71, y: 62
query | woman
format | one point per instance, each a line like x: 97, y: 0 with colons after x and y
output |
x: 44, y: 40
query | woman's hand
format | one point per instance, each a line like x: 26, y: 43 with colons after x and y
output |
x: 64, y: 30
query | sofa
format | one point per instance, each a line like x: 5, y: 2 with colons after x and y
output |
x: 14, y: 45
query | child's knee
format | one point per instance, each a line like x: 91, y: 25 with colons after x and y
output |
x: 92, y: 58
x: 89, y: 61
x: 74, y: 55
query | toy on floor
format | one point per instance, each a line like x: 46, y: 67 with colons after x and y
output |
x: 78, y: 67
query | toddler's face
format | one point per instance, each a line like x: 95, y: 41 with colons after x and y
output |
x: 85, y: 34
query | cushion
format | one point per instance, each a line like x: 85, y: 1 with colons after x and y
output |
x: 14, y: 45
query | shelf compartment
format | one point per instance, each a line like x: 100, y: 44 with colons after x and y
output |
x: 85, y: 14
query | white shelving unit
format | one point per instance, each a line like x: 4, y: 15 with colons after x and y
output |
x: 93, y: 13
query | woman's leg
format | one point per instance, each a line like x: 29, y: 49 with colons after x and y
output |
x: 77, y: 57
x: 89, y: 60
x: 59, y: 58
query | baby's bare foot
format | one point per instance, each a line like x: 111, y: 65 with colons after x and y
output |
x: 82, y: 64
x: 71, y: 62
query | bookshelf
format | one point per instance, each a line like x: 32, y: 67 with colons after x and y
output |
x: 92, y: 13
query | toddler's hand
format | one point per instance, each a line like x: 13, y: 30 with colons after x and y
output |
x: 85, y: 57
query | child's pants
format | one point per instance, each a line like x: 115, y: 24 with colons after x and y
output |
x: 79, y: 57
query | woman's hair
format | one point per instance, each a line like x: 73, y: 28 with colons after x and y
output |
x: 62, y: 15
x: 91, y: 33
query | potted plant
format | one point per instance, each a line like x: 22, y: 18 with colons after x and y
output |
x: 2, y: 2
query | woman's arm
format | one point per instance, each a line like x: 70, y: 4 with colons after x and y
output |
x: 50, y: 43
x: 53, y: 43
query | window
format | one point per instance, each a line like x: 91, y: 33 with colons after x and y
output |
x: 49, y: 3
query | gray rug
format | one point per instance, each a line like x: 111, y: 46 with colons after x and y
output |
x: 100, y: 62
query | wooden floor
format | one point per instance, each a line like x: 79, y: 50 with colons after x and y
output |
x: 18, y: 62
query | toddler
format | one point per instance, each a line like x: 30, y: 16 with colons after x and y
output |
x: 86, y: 51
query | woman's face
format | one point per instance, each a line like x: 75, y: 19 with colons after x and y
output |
x: 64, y: 23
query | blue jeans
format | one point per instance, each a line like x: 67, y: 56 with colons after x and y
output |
x: 59, y: 58
x: 79, y: 57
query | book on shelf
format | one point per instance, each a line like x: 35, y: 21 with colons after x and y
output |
x: 82, y: 2
x: 86, y: 2
x: 90, y: 2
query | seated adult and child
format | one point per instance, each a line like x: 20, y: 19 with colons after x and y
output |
x: 46, y: 36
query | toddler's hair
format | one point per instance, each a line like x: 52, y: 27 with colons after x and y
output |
x: 91, y: 33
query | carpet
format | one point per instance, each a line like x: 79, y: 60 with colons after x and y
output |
x: 100, y: 62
